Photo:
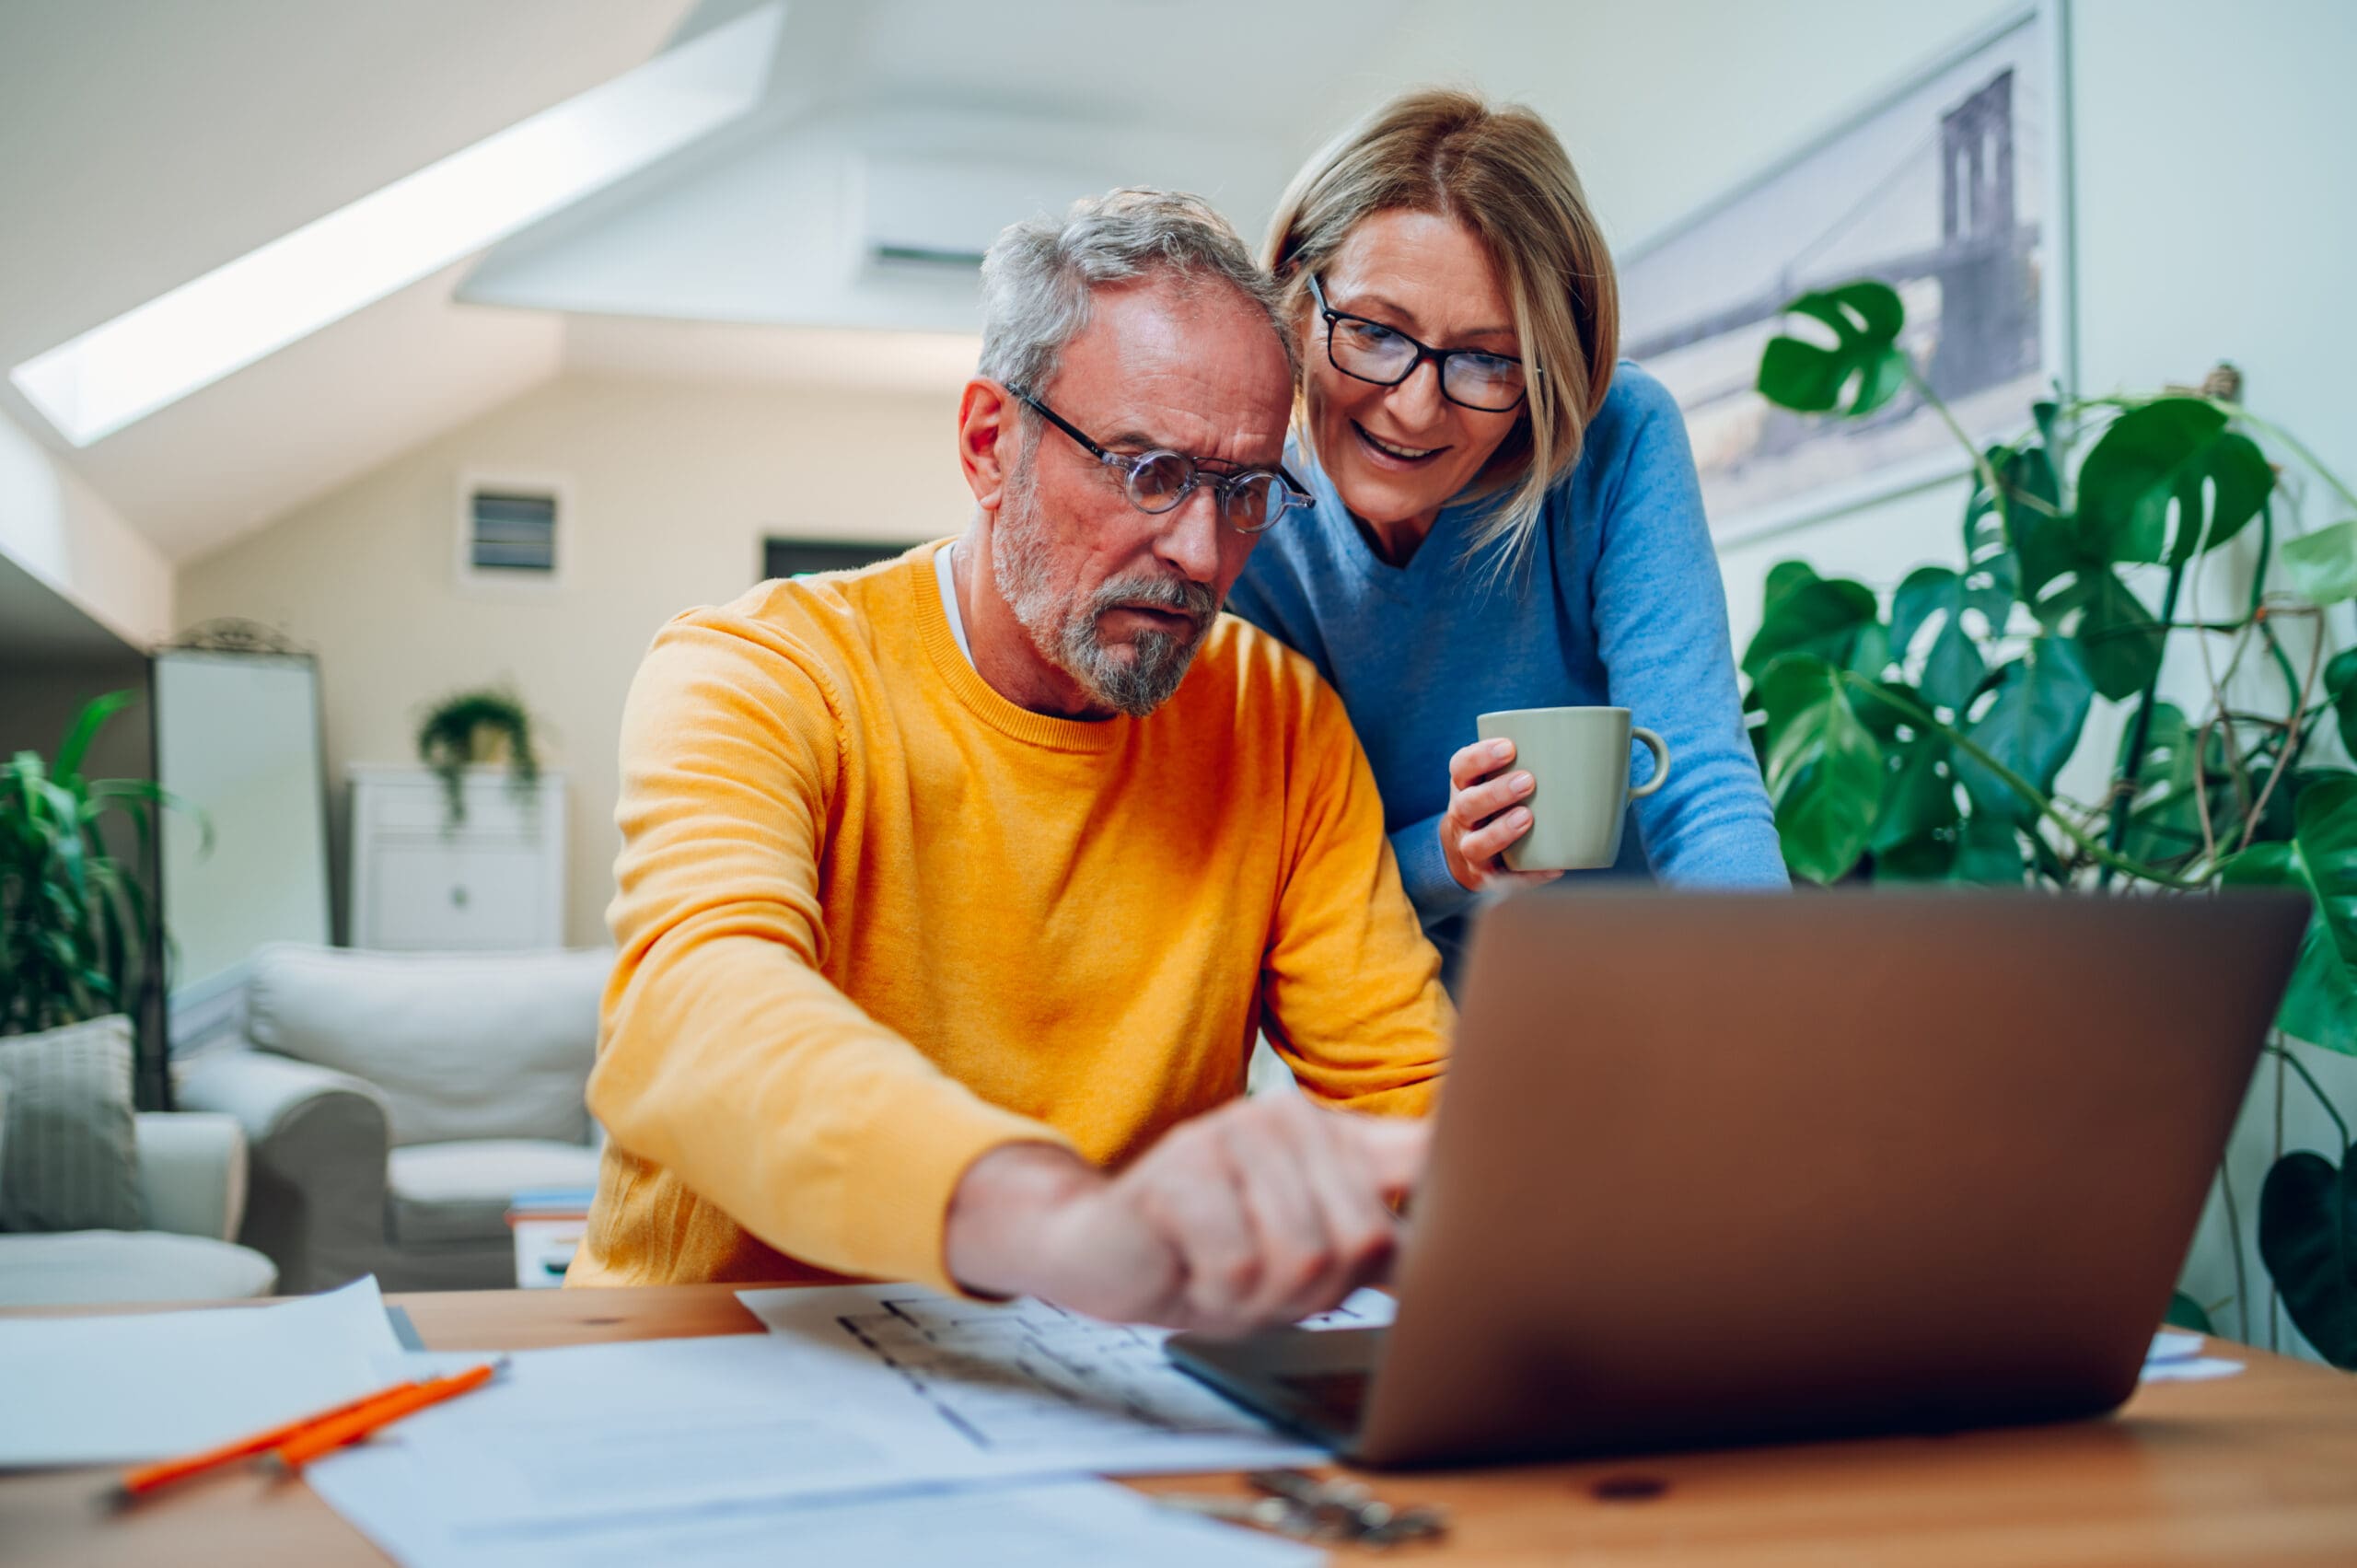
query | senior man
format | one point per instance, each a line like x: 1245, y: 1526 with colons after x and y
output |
x: 953, y: 891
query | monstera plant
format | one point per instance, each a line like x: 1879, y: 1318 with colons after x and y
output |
x: 1919, y: 734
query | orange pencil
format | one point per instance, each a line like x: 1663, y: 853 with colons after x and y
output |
x: 163, y: 1473
x: 350, y: 1426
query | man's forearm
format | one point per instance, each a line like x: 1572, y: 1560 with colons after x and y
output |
x: 991, y: 1238
x: 1256, y: 1214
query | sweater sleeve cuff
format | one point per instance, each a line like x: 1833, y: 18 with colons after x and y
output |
x: 1423, y: 871
x: 904, y: 1217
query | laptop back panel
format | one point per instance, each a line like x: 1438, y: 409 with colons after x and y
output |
x: 1721, y: 1168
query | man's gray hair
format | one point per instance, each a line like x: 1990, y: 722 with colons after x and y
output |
x: 1038, y: 276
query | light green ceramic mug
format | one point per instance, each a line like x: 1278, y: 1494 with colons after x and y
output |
x: 1578, y: 758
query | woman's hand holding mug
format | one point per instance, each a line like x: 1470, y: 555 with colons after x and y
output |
x: 1485, y: 813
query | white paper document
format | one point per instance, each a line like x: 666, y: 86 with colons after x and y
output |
x: 733, y: 1449
x: 2176, y: 1358
x: 587, y: 1432
x: 145, y: 1386
x: 1027, y: 1382
x: 1014, y: 1525
x: 2193, y: 1369
x: 965, y: 1394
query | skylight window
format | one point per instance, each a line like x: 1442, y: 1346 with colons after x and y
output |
x: 160, y: 352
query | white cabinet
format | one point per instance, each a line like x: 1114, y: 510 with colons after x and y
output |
x: 494, y: 879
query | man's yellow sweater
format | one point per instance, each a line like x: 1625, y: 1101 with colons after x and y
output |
x: 875, y: 921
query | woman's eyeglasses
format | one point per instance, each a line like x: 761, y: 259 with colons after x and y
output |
x: 1369, y: 351
x: 1248, y: 500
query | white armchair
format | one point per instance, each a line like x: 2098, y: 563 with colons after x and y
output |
x: 191, y: 1196
x: 396, y: 1102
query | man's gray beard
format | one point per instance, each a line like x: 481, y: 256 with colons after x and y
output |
x: 1158, y: 660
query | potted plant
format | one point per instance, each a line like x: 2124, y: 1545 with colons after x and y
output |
x: 80, y: 935
x: 1921, y: 735
x: 489, y: 724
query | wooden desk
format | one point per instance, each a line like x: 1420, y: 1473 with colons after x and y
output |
x: 2252, y: 1469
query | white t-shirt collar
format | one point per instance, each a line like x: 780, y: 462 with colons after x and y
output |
x: 942, y: 573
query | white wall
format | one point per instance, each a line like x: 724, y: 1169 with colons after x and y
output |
x: 57, y: 529
x: 673, y: 486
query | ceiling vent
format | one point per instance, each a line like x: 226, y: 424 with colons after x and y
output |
x: 940, y: 215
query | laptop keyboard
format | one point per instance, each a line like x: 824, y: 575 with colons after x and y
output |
x: 1337, y: 1397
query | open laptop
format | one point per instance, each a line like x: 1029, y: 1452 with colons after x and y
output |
x: 1724, y: 1169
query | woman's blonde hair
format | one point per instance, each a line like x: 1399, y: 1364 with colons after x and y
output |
x: 1500, y: 172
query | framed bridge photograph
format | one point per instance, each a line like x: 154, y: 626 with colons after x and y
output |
x: 1954, y: 188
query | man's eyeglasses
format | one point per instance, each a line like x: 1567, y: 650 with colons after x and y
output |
x: 1248, y: 500
x: 1369, y: 351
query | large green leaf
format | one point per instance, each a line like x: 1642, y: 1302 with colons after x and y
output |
x: 2163, y: 822
x: 87, y: 724
x: 2002, y: 564
x: 1888, y: 721
x: 127, y: 796
x: 1988, y: 850
x: 1824, y: 769
x: 2307, y: 1236
x: 2322, y: 565
x: 1990, y: 571
x: 2170, y: 479
x: 2030, y: 727
x: 2118, y: 639
x: 2341, y: 685
x: 1833, y: 619
x: 2068, y: 580
x: 1952, y: 667
x: 1811, y: 378
x: 1931, y: 858
x: 2325, y: 844
x: 1782, y: 578
x: 2320, y: 1004
x: 1918, y: 798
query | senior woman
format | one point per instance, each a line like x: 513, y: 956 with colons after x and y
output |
x: 1505, y: 518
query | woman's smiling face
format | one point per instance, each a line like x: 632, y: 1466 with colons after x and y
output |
x: 1397, y: 453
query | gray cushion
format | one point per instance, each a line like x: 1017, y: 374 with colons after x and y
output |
x: 95, y: 1266
x: 460, y: 1191
x: 72, y: 1161
x: 463, y: 1045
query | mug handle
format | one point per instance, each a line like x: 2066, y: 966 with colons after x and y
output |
x: 1661, y: 761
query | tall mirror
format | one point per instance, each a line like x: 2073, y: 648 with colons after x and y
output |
x: 238, y: 737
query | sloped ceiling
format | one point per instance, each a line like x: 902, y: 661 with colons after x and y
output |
x: 1017, y: 110
x: 149, y: 140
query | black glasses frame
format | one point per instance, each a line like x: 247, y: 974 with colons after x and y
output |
x: 1296, y: 495
x: 1438, y: 356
